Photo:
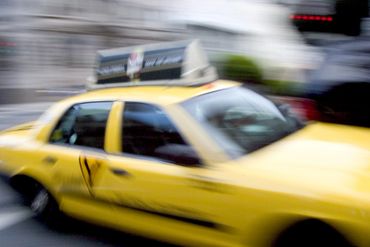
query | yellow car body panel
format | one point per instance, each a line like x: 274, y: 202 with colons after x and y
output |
x: 320, y: 172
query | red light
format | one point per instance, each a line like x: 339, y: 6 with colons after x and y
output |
x: 311, y: 17
x: 295, y: 17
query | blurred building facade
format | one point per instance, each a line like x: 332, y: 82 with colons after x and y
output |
x: 52, y: 43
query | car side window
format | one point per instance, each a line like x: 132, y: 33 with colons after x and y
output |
x: 147, y: 131
x: 83, y: 125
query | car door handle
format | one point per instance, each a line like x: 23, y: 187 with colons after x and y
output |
x: 120, y: 172
x: 49, y: 160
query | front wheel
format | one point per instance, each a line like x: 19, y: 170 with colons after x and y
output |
x: 311, y: 234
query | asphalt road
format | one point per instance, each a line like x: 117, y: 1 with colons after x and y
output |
x: 18, y: 226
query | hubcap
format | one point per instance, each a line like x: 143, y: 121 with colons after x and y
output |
x: 40, y: 202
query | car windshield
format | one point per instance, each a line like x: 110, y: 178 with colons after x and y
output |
x: 239, y: 120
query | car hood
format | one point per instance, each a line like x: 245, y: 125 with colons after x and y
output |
x: 319, y: 159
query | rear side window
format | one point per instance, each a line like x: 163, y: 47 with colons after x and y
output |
x: 83, y: 125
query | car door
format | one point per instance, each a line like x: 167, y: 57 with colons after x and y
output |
x: 80, y: 130
x: 158, y: 184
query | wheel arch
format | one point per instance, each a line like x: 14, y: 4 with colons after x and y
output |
x: 305, y: 225
x: 24, y: 182
x: 275, y: 226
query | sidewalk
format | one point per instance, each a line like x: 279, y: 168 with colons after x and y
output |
x: 31, y: 95
x: 40, y: 84
x: 13, y: 114
x: 19, y: 105
x: 22, y: 108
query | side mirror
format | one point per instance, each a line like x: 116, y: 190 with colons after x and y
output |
x: 180, y: 154
x: 285, y: 109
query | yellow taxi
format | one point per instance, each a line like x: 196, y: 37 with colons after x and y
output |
x: 194, y: 161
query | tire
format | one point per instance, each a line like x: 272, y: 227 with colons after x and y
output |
x: 44, y: 206
x: 38, y: 199
x: 311, y: 234
x: 41, y: 203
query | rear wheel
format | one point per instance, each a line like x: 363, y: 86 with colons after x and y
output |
x: 40, y: 203
x: 38, y: 198
x: 44, y: 206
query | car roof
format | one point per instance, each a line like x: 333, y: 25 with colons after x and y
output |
x: 158, y: 94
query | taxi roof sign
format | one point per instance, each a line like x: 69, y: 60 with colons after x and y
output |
x: 172, y: 63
